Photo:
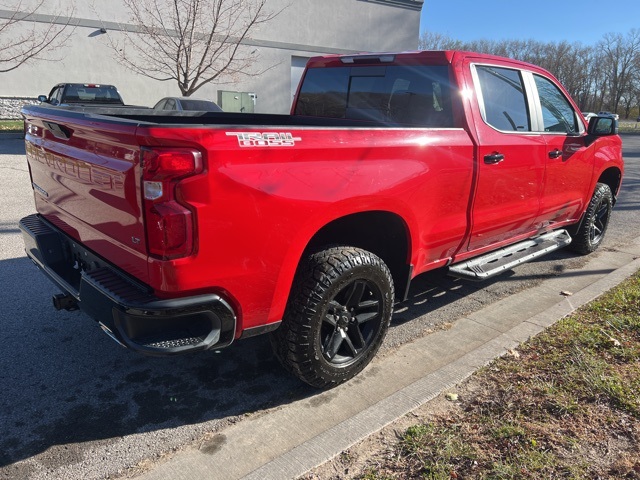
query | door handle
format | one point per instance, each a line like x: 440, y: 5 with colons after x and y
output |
x: 493, y: 158
x: 555, y: 153
x: 59, y: 131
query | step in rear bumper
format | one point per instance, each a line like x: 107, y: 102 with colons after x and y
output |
x: 126, y: 309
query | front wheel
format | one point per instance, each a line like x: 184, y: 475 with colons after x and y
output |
x: 595, y: 222
x: 337, y: 316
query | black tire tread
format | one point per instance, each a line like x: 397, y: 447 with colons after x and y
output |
x: 291, y: 341
x: 581, y: 241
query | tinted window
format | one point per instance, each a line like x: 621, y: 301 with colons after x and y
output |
x: 200, y: 105
x: 503, y: 94
x: 557, y: 113
x: 412, y: 95
x: 91, y: 93
x: 55, y: 95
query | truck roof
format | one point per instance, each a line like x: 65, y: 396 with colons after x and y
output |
x: 78, y: 84
x: 434, y: 57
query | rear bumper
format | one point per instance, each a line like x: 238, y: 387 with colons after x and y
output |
x: 126, y: 309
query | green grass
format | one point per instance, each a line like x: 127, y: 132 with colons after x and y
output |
x: 567, y: 407
x: 627, y: 126
x: 11, y: 126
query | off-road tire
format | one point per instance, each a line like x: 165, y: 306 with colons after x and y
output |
x: 595, y: 222
x: 337, y: 316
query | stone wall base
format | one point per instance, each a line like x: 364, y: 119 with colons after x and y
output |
x: 10, y: 106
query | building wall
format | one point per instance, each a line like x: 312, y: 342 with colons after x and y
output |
x: 303, y: 29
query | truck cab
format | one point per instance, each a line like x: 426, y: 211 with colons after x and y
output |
x: 66, y: 94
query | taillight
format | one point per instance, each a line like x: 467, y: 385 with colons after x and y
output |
x: 169, y: 221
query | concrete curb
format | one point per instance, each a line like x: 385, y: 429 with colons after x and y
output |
x: 327, y: 445
x: 288, y: 441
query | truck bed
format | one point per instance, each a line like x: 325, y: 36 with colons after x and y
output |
x: 149, y: 116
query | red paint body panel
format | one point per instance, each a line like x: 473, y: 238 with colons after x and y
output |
x: 264, y: 191
x: 89, y: 186
x: 258, y: 208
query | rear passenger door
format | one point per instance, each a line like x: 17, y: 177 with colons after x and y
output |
x: 510, y: 156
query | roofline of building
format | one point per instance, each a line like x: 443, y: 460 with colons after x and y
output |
x: 130, y: 28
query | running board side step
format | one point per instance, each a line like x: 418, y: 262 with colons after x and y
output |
x: 493, y: 263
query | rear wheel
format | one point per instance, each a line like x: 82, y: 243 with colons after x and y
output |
x: 337, y: 316
x: 596, y: 220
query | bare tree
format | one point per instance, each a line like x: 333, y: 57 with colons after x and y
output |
x: 23, y: 38
x: 621, y: 55
x: 192, y: 42
x: 437, y: 41
x: 600, y: 77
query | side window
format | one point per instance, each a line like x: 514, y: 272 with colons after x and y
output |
x: 504, y: 99
x: 557, y: 113
x: 54, y: 96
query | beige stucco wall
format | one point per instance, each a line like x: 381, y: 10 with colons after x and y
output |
x: 304, y: 28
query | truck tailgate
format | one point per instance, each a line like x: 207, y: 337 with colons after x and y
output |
x: 86, y: 181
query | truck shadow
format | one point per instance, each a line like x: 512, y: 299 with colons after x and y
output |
x: 65, y: 383
x: 437, y: 299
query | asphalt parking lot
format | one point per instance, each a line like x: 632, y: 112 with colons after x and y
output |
x: 75, y: 405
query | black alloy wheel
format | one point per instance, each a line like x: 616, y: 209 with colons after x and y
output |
x: 590, y: 234
x: 337, y: 316
x: 600, y: 221
x: 353, y: 319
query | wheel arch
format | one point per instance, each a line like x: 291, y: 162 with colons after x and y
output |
x: 612, y: 176
x: 382, y: 233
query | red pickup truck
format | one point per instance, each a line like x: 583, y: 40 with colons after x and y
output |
x: 187, y: 231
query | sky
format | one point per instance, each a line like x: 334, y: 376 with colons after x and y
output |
x: 544, y: 20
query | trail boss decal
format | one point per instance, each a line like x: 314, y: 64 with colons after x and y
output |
x: 267, y: 139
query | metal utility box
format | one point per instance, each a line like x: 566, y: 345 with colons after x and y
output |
x: 243, y: 102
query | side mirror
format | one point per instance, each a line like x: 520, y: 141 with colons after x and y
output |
x: 603, y: 126
x: 42, y: 98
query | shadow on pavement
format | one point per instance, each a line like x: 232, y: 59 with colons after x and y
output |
x: 9, y: 145
x: 64, y: 382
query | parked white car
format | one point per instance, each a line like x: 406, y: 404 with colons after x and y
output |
x: 609, y: 114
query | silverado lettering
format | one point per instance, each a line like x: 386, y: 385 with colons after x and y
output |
x: 175, y: 238
x: 75, y: 169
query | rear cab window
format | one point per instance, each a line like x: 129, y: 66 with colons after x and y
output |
x: 412, y: 95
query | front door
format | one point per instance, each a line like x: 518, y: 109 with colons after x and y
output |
x: 569, y: 160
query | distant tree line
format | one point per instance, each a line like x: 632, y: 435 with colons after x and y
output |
x: 603, y: 76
